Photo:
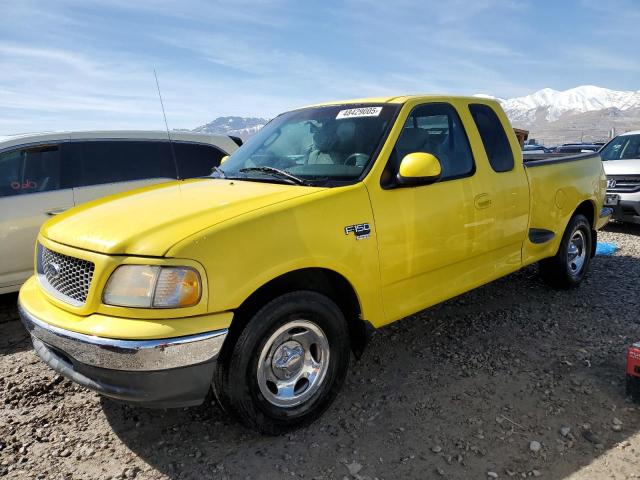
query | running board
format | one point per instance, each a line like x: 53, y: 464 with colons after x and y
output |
x: 540, y: 235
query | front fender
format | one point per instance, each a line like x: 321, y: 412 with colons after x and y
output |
x: 246, y: 252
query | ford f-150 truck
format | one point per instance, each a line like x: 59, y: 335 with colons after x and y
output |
x: 262, y: 279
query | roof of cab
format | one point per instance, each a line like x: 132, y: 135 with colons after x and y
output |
x: 633, y: 132
x: 399, y: 99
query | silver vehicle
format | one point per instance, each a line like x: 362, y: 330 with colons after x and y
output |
x: 621, y: 157
x: 45, y: 174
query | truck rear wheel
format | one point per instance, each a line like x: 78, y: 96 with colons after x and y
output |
x: 570, y: 265
x: 288, y: 364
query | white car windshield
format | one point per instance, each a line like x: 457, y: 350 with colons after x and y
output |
x: 313, y: 145
x: 624, y: 147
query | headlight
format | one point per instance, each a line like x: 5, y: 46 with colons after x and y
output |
x: 149, y: 286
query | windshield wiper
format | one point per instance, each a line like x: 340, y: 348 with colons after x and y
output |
x: 219, y: 171
x: 276, y: 172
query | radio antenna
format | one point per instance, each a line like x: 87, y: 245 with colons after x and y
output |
x: 166, y: 124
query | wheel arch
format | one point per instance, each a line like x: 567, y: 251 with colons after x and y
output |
x: 588, y: 209
x: 321, y: 280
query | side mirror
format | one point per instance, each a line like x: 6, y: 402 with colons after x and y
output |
x: 224, y: 159
x: 419, y: 168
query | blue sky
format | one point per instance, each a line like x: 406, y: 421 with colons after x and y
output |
x: 89, y: 64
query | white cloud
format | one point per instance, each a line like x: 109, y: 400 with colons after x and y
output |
x: 462, y: 41
x: 90, y: 64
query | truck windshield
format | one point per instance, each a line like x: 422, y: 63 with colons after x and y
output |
x: 624, y: 147
x: 313, y: 145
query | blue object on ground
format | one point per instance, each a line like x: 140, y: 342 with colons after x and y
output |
x: 606, y: 248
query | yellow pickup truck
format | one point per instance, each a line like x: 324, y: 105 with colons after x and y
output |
x: 262, y: 279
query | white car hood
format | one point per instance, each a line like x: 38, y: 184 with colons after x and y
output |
x: 622, y: 167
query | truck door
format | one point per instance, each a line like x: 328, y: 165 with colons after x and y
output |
x: 432, y: 238
x: 509, y: 188
x: 34, y: 185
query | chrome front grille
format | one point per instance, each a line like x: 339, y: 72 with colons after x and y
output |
x: 623, y: 183
x: 67, y: 278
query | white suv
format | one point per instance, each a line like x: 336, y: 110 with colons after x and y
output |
x: 45, y: 174
x: 621, y: 157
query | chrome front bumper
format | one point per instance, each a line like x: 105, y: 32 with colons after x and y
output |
x: 129, y: 355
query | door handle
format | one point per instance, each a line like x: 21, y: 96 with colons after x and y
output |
x: 482, y: 201
x: 56, y: 211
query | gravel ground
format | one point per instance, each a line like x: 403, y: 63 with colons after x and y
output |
x: 510, y: 380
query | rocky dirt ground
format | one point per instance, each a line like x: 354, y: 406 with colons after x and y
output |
x: 512, y: 380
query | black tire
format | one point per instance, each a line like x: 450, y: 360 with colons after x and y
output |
x: 236, y: 383
x: 558, y: 271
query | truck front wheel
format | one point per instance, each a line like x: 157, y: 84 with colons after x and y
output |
x: 570, y: 265
x: 288, y: 364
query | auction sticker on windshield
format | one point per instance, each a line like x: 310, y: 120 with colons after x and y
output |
x: 359, y: 112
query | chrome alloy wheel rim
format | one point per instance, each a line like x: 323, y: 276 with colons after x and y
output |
x: 577, y: 253
x: 293, y: 363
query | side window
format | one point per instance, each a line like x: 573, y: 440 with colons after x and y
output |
x: 11, y: 173
x: 109, y: 161
x: 435, y: 128
x: 196, y: 159
x: 494, y: 138
x: 30, y: 170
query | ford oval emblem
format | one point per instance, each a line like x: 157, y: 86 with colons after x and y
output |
x: 52, y: 270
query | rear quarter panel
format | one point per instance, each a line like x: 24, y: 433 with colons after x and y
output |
x: 558, y: 186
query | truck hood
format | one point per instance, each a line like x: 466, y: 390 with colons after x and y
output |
x: 151, y: 220
x: 622, y: 167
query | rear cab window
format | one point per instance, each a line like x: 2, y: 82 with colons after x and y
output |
x: 494, y: 139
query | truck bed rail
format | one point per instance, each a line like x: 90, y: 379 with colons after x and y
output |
x: 553, y: 158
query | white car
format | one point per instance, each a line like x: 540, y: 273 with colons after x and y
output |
x: 621, y: 160
x: 45, y: 174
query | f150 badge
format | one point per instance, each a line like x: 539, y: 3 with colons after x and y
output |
x: 360, y: 230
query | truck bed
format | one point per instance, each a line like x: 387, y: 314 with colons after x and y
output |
x: 558, y: 184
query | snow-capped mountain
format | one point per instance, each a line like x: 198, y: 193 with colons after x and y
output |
x: 552, y: 104
x: 242, y: 127
x: 585, y: 113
